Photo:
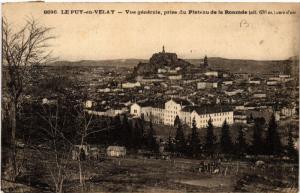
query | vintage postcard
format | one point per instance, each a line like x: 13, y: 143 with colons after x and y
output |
x: 150, y: 97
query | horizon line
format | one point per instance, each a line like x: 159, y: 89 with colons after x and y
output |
x: 68, y: 60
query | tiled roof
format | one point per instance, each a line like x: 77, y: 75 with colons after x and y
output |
x: 207, y: 109
x: 181, y: 101
x: 153, y: 103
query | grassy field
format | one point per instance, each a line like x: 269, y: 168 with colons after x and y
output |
x: 137, y: 174
x: 182, y: 175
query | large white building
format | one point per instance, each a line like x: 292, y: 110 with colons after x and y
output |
x: 165, y: 113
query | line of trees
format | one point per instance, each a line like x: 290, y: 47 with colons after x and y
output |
x: 133, y: 134
x: 258, y: 145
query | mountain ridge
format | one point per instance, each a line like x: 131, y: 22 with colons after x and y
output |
x: 218, y: 63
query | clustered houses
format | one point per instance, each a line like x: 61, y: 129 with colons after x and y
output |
x: 250, y: 95
x: 167, y: 112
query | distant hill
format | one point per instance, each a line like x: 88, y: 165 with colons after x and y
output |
x: 129, y: 63
x: 233, y: 65
x: 160, y: 60
x: 251, y: 66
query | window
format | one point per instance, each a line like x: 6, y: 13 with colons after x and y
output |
x: 134, y: 111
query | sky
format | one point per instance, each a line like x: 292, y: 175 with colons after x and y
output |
x: 122, y: 36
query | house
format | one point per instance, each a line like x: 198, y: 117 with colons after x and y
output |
x: 177, y: 68
x: 259, y: 95
x: 105, y: 90
x: 233, y: 92
x: 211, y: 73
x: 288, y: 111
x: 151, y: 80
x: 172, y: 71
x: 284, y: 76
x: 239, y: 107
x: 227, y: 82
x: 46, y: 101
x: 108, y: 113
x: 135, y: 110
x: 89, y: 104
x: 275, y: 79
x: 161, y: 70
x: 131, y: 84
x: 254, y: 81
x: 175, y: 77
x: 204, y: 85
x: 116, y: 151
x: 272, y: 82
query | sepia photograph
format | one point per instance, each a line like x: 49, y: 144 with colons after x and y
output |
x: 150, y: 97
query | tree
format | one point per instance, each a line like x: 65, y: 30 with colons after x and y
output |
x: 58, y: 152
x: 226, y: 143
x: 84, y: 124
x: 210, y: 138
x: 179, y: 138
x: 126, y: 132
x: 21, y: 51
x: 117, y: 130
x: 194, y: 140
x: 251, y: 117
x: 257, y: 143
x: 151, y: 140
x: 142, y: 124
x: 241, y: 145
x: 170, y: 144
x: 273, y: 142
x: 177, y: 121
x: 290, y: 145
x: 137, y: 134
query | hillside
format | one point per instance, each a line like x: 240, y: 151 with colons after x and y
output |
x: 251, y: 66
x: 233, y: 65
x: 160, y: 60
x: 129, y: 63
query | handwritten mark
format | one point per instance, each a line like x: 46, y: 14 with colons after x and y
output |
x: 244, y: 23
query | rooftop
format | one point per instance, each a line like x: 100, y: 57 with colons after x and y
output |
x: 207, y: 109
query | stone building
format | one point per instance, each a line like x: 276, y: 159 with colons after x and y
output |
x: 165, y: 113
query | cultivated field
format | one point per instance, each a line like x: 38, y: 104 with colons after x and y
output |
x: 138, y: 174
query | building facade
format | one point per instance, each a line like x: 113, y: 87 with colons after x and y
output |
x: 165, y: 114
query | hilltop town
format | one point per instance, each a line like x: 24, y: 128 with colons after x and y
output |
x: 149, y: 97
x: 192, y: 112
x: 199, y: 88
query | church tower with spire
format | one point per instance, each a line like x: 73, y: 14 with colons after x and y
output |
x: 205, y: 62
x: 163, y: 49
